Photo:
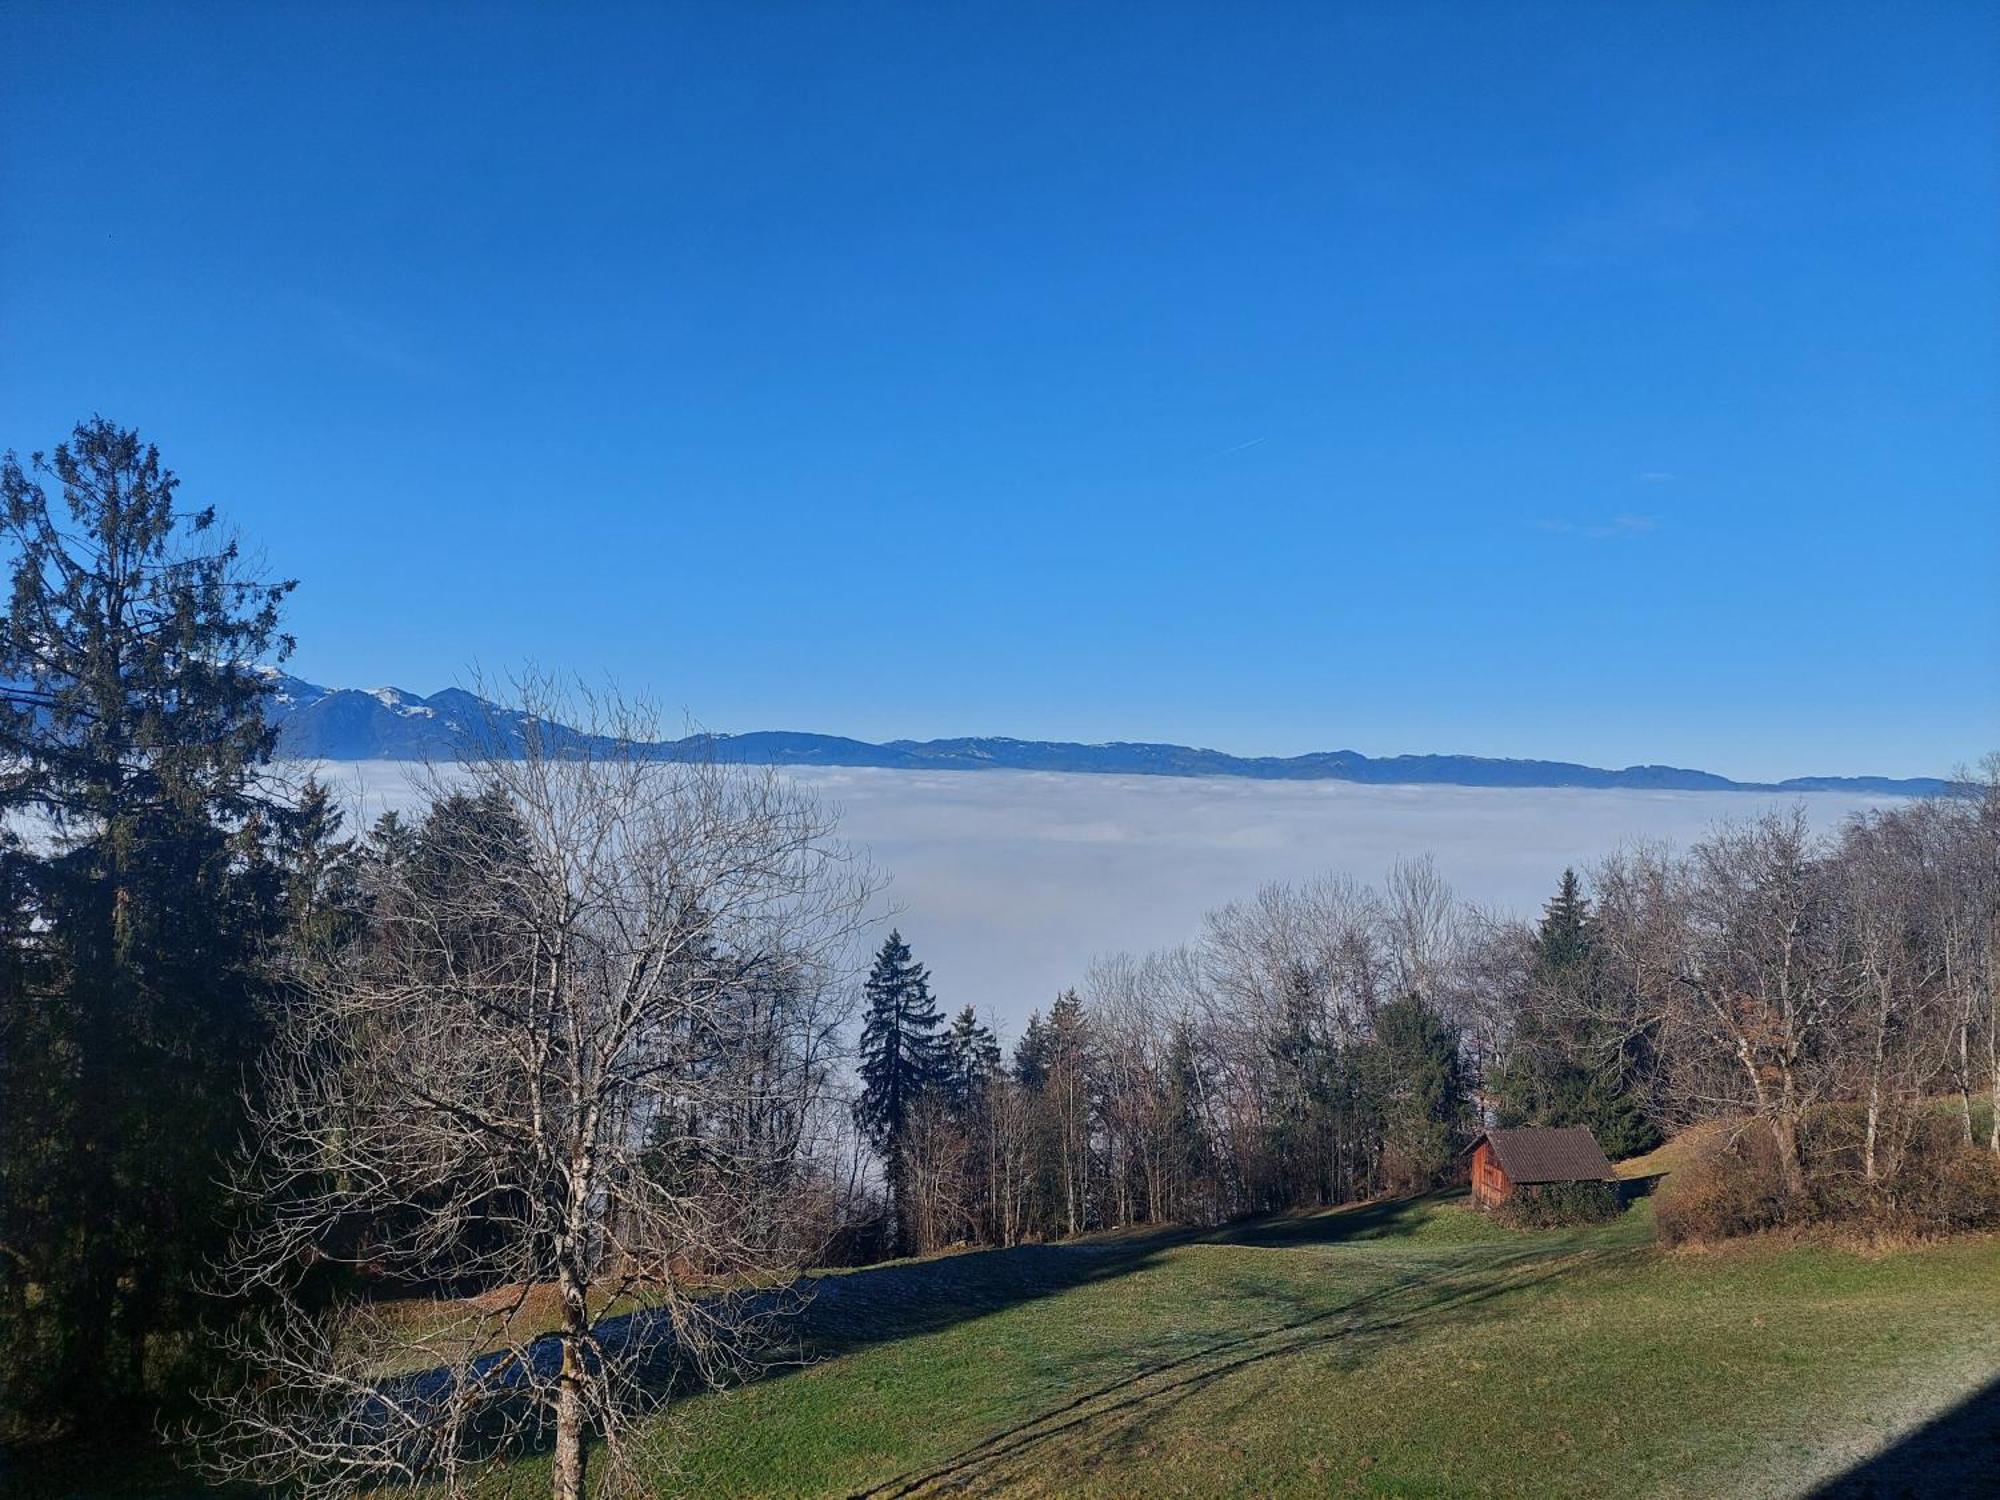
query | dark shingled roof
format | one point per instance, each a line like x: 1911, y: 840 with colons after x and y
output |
x: 1567, y: 1155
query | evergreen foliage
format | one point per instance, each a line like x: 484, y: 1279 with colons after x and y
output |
x: 1031, y: 1052
x: 133, y: 732
x: 971, y: 1061
x: 1426, y: 1113
x: 902, y: 1054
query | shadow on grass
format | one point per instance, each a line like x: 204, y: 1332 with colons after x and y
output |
x: 852, y: 1309
x: 815, y: 1318
x: 1955, y: 1453
x: 903, y: 1300
x: 1386, y: 1218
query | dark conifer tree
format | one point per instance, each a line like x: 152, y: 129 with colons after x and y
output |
x: 901, y: 1052
x: 1425, y: 1105
x: 132, y: 727
x: 391, y: 840
x: 1299, y: 1104
x: 1031, y: 1053
x: 1189, y: 1154
x: 322, y: 872
x: 1564, y: 936
x: 971, y: 1058
x: 1068, y: 1102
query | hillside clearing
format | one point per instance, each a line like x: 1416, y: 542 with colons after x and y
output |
x: 1406, y: 1349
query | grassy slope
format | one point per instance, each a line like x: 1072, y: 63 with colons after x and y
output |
x: 1410, y: 1349
x: 1407, y: 1349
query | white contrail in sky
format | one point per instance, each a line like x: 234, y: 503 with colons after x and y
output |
x: 1237, y: 449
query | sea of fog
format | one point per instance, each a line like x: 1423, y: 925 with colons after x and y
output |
x: 1007, y: 882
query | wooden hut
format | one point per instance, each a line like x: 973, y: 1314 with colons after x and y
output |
x: 1503, y: 1160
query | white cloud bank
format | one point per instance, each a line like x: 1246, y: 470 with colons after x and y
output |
x: 1007, y: 882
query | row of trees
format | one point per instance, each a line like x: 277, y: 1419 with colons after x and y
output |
x: 1328, y: 1042
x: 1301, y: 1053
x: 1843, y: 993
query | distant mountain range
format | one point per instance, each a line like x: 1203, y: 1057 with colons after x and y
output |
x: 317, y: 723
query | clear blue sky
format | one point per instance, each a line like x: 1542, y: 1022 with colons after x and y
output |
x: 1611, y: 382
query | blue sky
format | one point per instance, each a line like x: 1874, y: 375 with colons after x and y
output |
x: 1615, y: 383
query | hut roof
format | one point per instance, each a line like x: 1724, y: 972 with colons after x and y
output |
x: 1570, y: 1154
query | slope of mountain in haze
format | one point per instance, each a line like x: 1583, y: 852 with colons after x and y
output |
x: 316, y: 723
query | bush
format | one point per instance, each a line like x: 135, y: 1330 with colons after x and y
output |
x: 1726, y: 1188
x: 1558, y: 1205
x: 1931, y: 1182
x: 1940, y: 1184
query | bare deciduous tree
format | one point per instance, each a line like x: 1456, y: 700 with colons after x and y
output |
x: 1751, y: 965
x: 567, y: 1073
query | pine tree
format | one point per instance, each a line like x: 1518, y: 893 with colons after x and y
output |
x: 391, y: 840
x: 1425, y: 1106
x: 1069, y: 1101
x: 971, y: 1059
x: 1031, y: 1053
x: 1298, y: 1098
x: 1564, y: 936
x: 324, y: 905
x: 132, y: 725
x: 901, y: 1053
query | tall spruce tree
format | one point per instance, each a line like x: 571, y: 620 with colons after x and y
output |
x: 902, y: 1054
x: 132, y: 730
x: 1068, y: 1103
x: 1299, y: 1098
x: 1564, y: 936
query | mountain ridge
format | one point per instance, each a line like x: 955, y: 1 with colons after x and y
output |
x: 348, y: 724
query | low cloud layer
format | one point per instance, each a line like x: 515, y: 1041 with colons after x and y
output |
x: 1008, y: 882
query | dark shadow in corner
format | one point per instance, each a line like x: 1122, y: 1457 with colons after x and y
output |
x: 1956, y: 1453
x: 1631, y: 1189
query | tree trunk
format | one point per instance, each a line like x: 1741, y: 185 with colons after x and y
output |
x: 567, y: 1482
x: 1993, y: 1068
x: 1965, y: 1071
x: 1875, y: 1065
x: 1786, y: 1128
x: 573, y: 1282
x: 568, y: 1478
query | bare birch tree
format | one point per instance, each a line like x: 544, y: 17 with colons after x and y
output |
x: 567, y: 1073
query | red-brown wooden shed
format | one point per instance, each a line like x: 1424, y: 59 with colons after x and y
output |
x: 1503, y: 1160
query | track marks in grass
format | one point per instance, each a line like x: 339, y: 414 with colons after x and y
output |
x: 1118, y: 1412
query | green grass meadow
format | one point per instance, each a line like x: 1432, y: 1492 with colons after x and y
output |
x: 1410, y: 1349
